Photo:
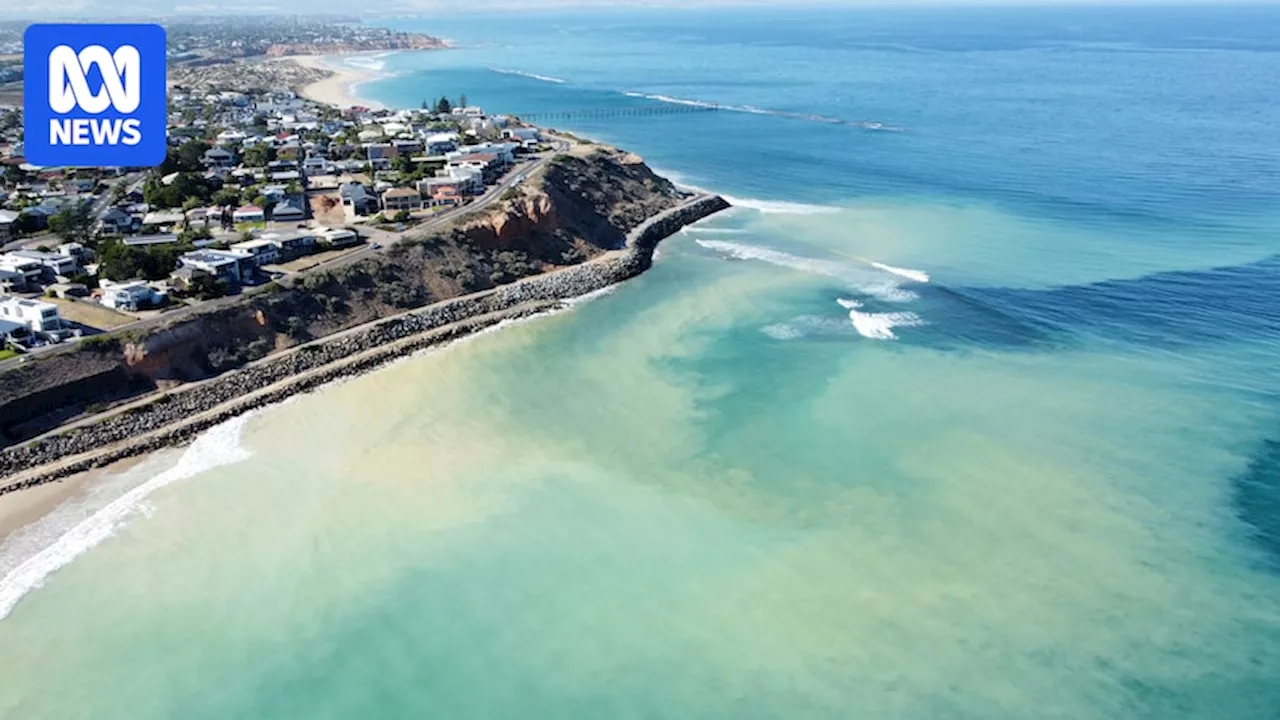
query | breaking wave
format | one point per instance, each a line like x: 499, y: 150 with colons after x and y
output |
x: 879, y: 326
x: 916, y: 275
x: 218, y: 446
x: 532, y: 76
x: 779, y: 207
x: 866, y: 281
x: 753, y: 110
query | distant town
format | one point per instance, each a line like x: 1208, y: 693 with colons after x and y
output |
x: 259, y: 185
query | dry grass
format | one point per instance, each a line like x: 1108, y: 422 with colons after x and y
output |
x: 91, y: 314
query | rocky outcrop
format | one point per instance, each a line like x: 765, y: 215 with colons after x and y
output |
x: 174, y: 417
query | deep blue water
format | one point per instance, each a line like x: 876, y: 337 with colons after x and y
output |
x: 1136, y: 151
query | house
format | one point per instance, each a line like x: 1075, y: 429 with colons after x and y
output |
x: 8, y: 225
x: 292, y: 245
x: 230, y: 267
x: 32, y: 272
x: 470, y: 111
x: 339, y: 237
x: 186, y: 277
x: 441, y: 143
x: 316, y: 166
x: 275, y: 193
x: 470, y: 179
x: 248, y: 213
x: 118, y: 222
x: 37, y: 216
x: 151, y: 240
x: 231, y: 137
x: 38, y: 316
x: 217, y: 157
x: 75, y: 250
x: 441, y: 191
x: 162, y: 220
x: 12, y: 281
x: 132, y: 295
x: 406, y: 147
x: 522, y: 134
x: 82, y: 185
x: 401, y: 198
x: 58, y: 265
x: 356, y: 200
x: 264, y: 251
x: 287, y: 211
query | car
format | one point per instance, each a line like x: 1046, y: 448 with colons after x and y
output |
x: 376, y: 246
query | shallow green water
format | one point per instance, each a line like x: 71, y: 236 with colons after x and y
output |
x: 647, y: 507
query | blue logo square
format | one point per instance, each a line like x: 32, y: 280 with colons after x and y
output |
x: 94, y: 95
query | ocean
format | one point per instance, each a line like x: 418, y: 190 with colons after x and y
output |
x: 968, y: 410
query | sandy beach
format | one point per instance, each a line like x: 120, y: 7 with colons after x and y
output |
x: 337, y: 88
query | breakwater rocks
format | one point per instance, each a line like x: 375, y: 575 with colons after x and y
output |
x: 176, y: 417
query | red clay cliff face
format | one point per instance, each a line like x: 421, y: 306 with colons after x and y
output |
x: 520, y: 219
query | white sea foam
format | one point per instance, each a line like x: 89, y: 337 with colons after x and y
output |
x: 373, y: 63
x: 916, y: 275
x: 848, y: 304
x: 220, y: 445
x: 753, y: 110
x: 717, y: 231
x: 782, y: 331
x: 879, y: 326
x: 532, y: 76
x: 779, y: 207
x: 859, y: 278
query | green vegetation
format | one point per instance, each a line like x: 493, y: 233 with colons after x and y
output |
x: 72, y: 224
x: 100, y: 343
x: 8, y: 353
x: 153, y: 262
x: 185, y: 188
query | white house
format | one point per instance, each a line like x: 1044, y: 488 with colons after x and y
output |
x: 38, y: 316
x: 231, y: 137
x: 232, y: 267
x: 264, y: 251
x: 59, y: 265
x: 131, y: 295
x: 31, y: 271
x: 523, y: 134
x: 339, y: 237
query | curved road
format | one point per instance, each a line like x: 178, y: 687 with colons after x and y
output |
x: 513, y: 178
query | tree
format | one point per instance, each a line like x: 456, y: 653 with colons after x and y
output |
x: 118, y: 261
x: 190, y: 153
x: 462, y: 101
x: 443, y: 107
x: 257, y: 156
x: 225, y: 197
x: 72, y: 224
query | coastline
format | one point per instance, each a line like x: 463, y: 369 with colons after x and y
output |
x: 175, y: 419
x: 337, y: 89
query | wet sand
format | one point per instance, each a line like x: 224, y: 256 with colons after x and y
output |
x: 337, y: 88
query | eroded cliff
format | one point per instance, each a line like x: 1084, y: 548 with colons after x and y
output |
x: 579, y: 206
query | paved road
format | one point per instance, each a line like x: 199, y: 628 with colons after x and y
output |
x: 374, y: 236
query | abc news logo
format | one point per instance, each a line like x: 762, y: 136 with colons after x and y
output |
x: 95, y: 95
x: 69, y: 89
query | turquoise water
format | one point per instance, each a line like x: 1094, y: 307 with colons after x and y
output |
x: 975, y: 417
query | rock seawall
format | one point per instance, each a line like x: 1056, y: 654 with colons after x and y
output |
x: 176, y: 417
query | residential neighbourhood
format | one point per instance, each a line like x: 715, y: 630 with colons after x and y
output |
x: 257, y: 185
